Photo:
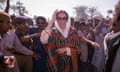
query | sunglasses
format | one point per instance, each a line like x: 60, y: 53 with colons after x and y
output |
x: 62, y: 18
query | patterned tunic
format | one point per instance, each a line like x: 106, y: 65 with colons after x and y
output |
x: 57, y: 63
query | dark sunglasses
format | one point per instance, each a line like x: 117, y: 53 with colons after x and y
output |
x: 62, y: 18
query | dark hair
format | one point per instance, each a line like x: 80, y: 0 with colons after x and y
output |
x: 20, y: 20
x: 82, y: 23
x: 40, y: 17
x: 62, y: 11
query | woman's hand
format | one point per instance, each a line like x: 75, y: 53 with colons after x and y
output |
x: 50, y: 24
x: 64, y: 51
x: 61, y: 51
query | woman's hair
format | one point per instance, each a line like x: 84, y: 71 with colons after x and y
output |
x: 62, y: 11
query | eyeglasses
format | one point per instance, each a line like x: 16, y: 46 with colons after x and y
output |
x: 62, y: 18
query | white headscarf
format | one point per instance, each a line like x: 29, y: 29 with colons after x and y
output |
x: 67, y: 28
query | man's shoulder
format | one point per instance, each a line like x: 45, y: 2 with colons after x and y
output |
x: 109, y: 35
x: 11, y: 33
x: 113, y: 37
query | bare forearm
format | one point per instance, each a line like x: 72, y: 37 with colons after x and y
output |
x: 85, y: 40
x: 34, y: 35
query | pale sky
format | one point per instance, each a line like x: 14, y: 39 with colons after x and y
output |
x: 47, y: 7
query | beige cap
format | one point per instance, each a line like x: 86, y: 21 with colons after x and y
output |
x: 4, y: 16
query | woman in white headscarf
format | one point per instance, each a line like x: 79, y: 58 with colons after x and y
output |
x: 63, y: 44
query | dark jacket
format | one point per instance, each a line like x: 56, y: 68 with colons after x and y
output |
x: 113, y: 44
x: 1, y: 57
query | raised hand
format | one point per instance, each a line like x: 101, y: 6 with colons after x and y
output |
x: 50, y: 24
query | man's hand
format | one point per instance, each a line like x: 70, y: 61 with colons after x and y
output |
x: 10, y: 61
x: 35, y: 56
x: 25, y: 38
x: 95, y: 45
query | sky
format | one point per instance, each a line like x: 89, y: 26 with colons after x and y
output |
x: 47, y: 7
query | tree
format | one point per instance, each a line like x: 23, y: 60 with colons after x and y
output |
x: 19, y: 8
x: 91, y: 11
x: 2, y: 3
x: 7, y: 6
x: 80, y: 12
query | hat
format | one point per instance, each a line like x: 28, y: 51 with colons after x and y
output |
x: 20, y: 20
x: 4, y: 16
x: 98, y: 17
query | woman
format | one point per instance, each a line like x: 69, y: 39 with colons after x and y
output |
x: 63, y: 44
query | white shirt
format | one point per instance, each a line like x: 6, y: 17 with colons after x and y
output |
x: 10, y: 40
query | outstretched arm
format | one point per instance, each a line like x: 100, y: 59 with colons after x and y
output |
x: 94, y: 44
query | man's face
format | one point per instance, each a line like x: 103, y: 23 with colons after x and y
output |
x: 116, y: 27
x: 117, y: 8
x: 5, y: 26
x: 41, y: 24
x: 23, y: 26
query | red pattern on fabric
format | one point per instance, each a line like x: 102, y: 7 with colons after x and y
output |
x: 52, y: 60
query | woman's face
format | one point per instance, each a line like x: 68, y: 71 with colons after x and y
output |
x: 62, y: 19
